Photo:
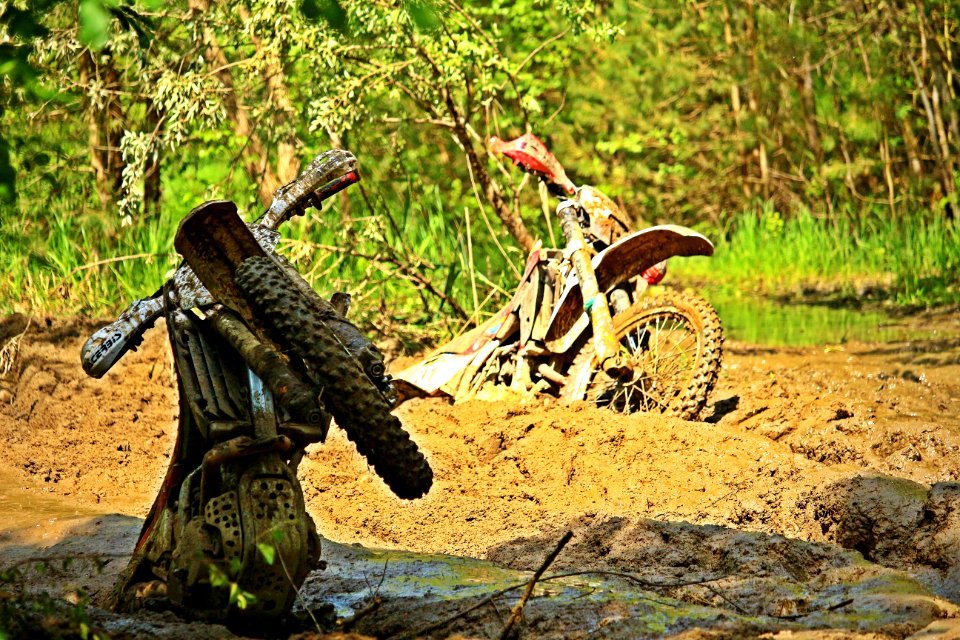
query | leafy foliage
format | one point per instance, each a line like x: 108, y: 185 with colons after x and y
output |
x: 118, y: 116
x: 28, y: 614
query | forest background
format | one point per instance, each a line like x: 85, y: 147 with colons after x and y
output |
x: 816, y: 142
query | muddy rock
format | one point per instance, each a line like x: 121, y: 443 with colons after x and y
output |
x: 875, y: 515
x: 937, y: 540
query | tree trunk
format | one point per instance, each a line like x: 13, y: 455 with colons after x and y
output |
x: 946, y: 176
x: 98, y: 159
x: 808, y: 108
x: 753, y: 100
x: 888, y: 174
x: 151, y: 175
x: 288, y: 163
x: 104, y: 128
x: 257, y: 163
x: 487, y: 185
x: 728, y: 40
x: 913, y: 152
x: 491, y: 190
x: 113, y: 125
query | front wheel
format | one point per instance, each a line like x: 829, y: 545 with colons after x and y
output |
x: 673, y: 342
x: 293, y: 317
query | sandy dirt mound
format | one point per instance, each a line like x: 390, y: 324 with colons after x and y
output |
x: 98, y: 442
x: 819, y: 493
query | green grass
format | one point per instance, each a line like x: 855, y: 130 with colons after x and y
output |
x: 910, y: 262
x: 76, y: 264
x: 406, y: 264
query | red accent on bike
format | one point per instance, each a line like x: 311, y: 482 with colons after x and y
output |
x: 531, y: 154
x: 337, y: 185
x: 655, y: 274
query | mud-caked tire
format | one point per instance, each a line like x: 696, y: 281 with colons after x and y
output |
x: 295, y: 321
x: 674, y: 342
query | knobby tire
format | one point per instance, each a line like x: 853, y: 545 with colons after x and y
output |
x: 690, y: 310
x: 295, y: 322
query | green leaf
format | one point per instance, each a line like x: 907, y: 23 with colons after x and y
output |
x: 131, y: 20
x: 217, y: 577
x: 8, y: 175
x: 328, y: 11
x: 268, y: 551
x: 14, y: 63
x: 94, y: 24
x: 451, y: 279
x: 22, y: 24
x: 424, y: 15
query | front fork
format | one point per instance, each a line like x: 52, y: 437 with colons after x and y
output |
x: 595, y: 303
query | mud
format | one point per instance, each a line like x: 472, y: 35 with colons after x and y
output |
x: 818, y: 499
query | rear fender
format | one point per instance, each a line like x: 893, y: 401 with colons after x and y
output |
x: 214, y: 242
x: 446, y: 364
x: 613, y: 266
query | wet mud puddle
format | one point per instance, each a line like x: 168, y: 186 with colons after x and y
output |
x: 424, y: 594
x: 23, y: 508
x: 435, y: 595
x: 761, y: 321
x: 399, y: 594
x: 746, y: 524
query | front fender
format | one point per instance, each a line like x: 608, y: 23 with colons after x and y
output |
x: 616, y: 264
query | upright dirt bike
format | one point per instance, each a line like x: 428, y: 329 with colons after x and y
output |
x: 263, y: 363
x: 580, y: 325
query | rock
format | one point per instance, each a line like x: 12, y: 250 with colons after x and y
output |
x: 875, y: 515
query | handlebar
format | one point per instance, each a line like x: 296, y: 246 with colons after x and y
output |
x: 330, y: 172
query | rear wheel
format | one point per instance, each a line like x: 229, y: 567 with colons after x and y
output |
x: 296, y: 322
x: 673, y: 342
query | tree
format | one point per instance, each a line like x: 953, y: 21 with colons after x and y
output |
x: 469, y: 71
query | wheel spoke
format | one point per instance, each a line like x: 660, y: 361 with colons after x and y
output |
x: 629, y: 397
x: 663, y: 344
x: 675, y: 357
x: 644, y: 396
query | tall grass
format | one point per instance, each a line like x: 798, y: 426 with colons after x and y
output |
x: 910, y: 261
x: 406, y: 267
x: 415, y: 272
x: 74, y: 264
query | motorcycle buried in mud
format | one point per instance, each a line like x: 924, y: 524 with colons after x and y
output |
x: 579, y: 324
x: 263, y: 363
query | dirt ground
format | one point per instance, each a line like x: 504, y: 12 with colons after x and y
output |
x: 820, y: 498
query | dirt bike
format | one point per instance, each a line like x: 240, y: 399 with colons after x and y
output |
x: 263, y: 363
x: 579, y: 325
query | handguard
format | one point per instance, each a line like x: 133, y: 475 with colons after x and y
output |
x: 105, y: 347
